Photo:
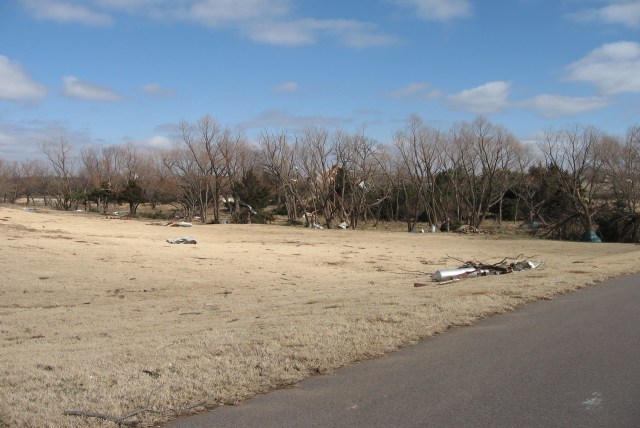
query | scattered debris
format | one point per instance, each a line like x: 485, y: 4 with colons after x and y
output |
x: 466, y: 229
x: 251, y: 210
x: 181, y: 241
x: 472, y: 269
x: 180, y: 224
x: 343, y: 225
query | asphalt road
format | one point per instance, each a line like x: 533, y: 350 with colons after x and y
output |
x: 570, y: 362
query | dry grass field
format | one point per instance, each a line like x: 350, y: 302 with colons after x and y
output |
x: 104, y: 316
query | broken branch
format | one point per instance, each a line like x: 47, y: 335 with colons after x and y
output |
x: 119, y: 421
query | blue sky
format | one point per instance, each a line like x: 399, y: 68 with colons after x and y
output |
x: 105, y: 72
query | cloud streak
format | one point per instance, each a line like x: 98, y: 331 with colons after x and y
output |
x: 613, y: 68
x: 489, y: 98
x: 282, y: 119
x: 439, y: 10
x: 156, y: 90
x: 415, y: 90
x: 220, y: 12
x: 548, y: 105
x: 66, y: 13
x: 355, y: 34
x: 263, y: 21
x: 286, y: 87
x: 625, y: 12
x: 16, y: 85
x: 81, y: 90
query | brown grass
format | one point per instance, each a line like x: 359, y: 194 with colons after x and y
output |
x: 104, y: 316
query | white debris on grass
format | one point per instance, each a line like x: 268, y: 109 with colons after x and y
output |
x: 181, y: 241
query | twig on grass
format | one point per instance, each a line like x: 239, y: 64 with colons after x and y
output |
x: 409, y: 272
x: 120, y: 421
x: 166, y: 346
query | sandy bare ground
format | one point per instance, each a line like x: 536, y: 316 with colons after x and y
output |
x: 104, y: 316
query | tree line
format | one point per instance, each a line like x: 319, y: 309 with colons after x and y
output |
x: 569, y: 184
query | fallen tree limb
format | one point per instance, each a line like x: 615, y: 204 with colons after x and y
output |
x: 120, y: 421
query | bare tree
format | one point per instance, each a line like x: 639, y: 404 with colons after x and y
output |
x: 102, y: 172
x: 622, y: 162
x: 7, y: 181
x: 196, y: 168
x: 235, y: 153
x: 279, y: 159
x: 186, y: 175
x: 318, y: 163
x: 62, y: 162
x: 32, y: 174
x: 418, y: 147
x: 358, y: 184
x: 199, y: 152
x: 526, y: 187
x: 509, y: 153
x: 484, y: 158
x: 577, y: 152
x: 158, y: 182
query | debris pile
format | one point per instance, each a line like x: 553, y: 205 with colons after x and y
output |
x: 472, y: 269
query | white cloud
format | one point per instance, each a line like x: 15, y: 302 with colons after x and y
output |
x: 80, y: 90
x: 355, y: 34
x: 20, y: 141
x: 156, y: 90
x: 15, y: 84
x: 281, y: 33
x: 217, y: 12
x: 612, y: 68
x: 282, y: 119
x: 158, y: 142
x: 66, y: 12
x: 212, y: 13
x: 625, y: 12
x: 439, y: 10
x: 263, y: 21
x: 128, y: 5
x: 350, y: 33
x: 549, y: 105
x: 286, y: 87
x: 415, y: 90
x: 491, y: 97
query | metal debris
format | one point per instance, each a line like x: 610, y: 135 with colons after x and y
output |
x: 472, y: 269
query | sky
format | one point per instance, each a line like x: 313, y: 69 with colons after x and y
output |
x: 109, y: 72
